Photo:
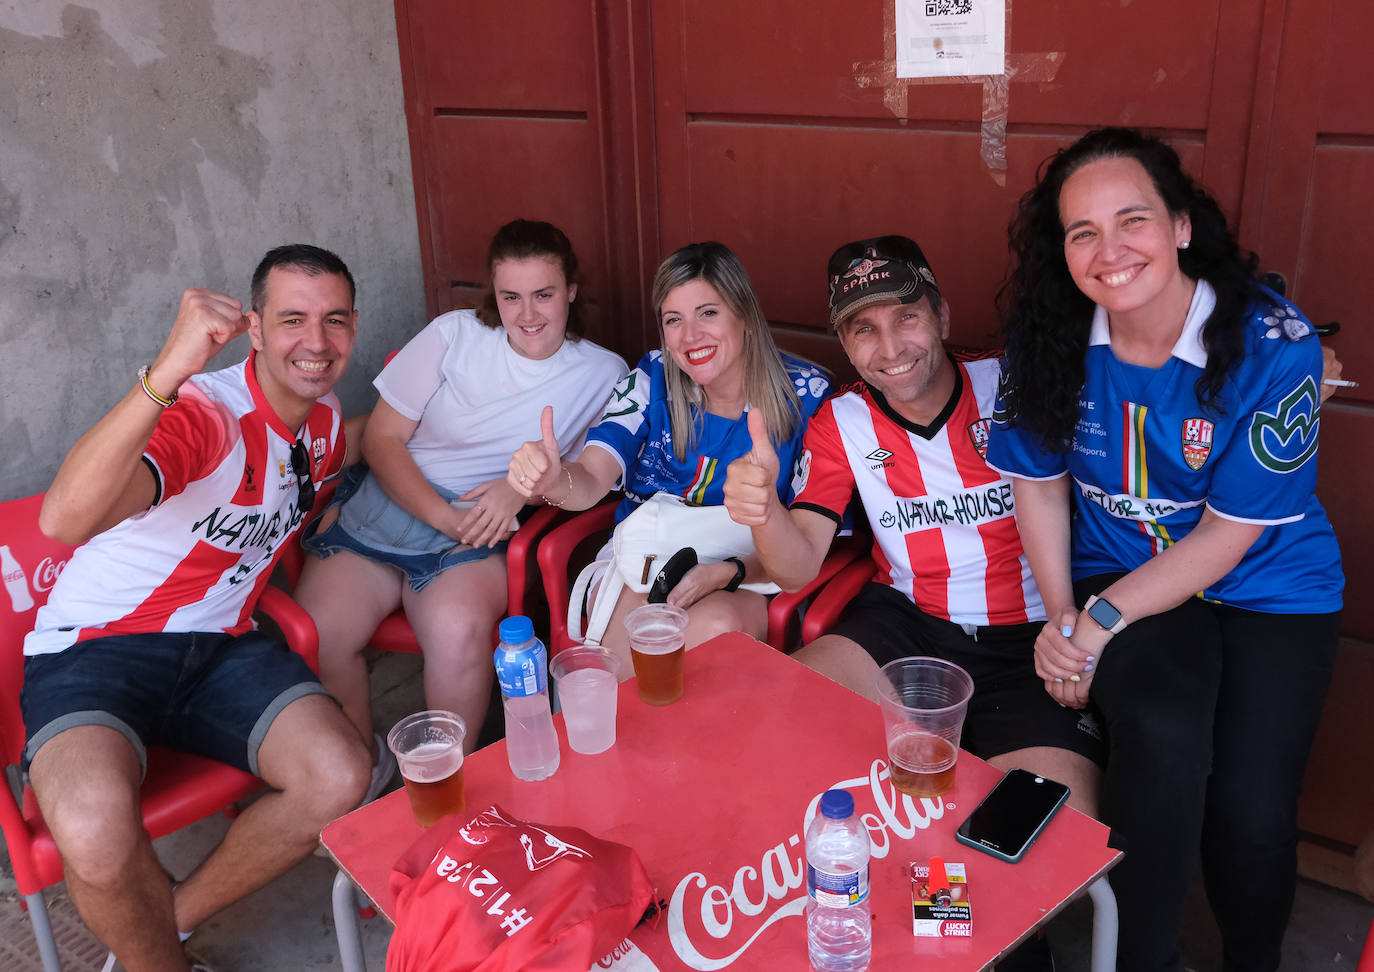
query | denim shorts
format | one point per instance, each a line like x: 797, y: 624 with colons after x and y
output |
x: 200, y: 692
x: 372, y: 525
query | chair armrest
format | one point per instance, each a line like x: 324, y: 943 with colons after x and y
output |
x: 295, y: 624
x: 519, y: 555
x: 829, y: 603
x: 783, y: 609
x: 554, y: 554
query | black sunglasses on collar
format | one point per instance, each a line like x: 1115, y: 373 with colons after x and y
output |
x: 300, y: 465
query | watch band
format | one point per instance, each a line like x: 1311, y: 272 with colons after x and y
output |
x: 738, y: 579
x: 1105, y: 613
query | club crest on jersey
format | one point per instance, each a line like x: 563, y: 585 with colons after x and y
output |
x: 978, y: 435
x: 317, y: 448
x: 1197, y: 442
x: 879, y: 457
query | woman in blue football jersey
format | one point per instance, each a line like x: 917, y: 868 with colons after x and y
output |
x: 678, y: 420
x: 1165, y: 405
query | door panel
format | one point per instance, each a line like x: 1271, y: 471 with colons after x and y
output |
x: 515, y: 55
x: 471, y: 197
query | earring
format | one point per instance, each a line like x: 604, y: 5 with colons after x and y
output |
x: 1184, y: 245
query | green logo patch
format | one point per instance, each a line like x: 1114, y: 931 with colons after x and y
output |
x: 1286, y: 439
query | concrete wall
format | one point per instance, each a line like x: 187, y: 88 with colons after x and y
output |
x: 151, y: 145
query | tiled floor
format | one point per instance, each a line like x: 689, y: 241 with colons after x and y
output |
x: 288, y: 926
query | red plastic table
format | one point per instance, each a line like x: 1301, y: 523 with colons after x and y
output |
x: 715, y: 792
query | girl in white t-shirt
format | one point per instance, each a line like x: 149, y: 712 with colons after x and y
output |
x: 425, y: 528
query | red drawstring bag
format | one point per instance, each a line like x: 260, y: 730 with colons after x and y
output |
x: 489, y: 892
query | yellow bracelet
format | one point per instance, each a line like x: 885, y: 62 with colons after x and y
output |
x: 148, y: 389
x: 567, y: 496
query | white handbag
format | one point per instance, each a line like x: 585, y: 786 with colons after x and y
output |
x: 660, y: 527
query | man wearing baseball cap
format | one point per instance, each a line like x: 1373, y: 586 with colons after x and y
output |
x: 952, y: 579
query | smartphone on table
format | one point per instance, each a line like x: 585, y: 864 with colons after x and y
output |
x: 1012, y: 815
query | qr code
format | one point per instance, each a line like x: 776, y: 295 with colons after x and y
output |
x: 947, y: 7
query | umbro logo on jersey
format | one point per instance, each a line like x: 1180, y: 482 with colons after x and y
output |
x: 248, y: 485
x: 879, y: 457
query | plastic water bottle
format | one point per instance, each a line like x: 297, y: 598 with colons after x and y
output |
x: 839, y: 937
x: 522, y: 671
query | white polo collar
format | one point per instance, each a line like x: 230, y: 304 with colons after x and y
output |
x: 1189, y: 346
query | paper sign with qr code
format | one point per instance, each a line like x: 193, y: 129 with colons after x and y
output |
x: 946, y: 38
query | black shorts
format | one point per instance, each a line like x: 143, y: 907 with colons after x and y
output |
x: 1010, y: 708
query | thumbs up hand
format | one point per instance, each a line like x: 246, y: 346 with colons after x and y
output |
x: 751, y: 491
x: 537, y: 467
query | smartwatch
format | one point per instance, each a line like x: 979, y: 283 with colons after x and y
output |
x: 738, y: 579
x: 1105, y: 614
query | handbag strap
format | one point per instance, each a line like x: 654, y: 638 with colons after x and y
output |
x: 599, y: 617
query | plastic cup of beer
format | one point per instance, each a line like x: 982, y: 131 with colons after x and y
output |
x: 429, y: 750
x: 923, y: 702
x: 657, y: 644
x: 588, y: 681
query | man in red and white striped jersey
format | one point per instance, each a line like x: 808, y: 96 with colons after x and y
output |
x: 183, y: 497
x: 952, y: 578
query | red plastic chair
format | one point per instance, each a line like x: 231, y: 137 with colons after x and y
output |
x: 179, y: 789
x: 1367, y: 956
x: 555, y: 555
x: 829, y: 604
x: 558, y: 550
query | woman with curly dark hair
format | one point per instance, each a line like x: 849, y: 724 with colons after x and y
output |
x: 1157, y: 396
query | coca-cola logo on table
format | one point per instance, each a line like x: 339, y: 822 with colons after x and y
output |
x: 702, y: 915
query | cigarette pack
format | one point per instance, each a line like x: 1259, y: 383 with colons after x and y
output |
x: 940, y: 906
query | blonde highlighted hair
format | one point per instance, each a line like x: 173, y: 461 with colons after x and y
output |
x: 767, y: 385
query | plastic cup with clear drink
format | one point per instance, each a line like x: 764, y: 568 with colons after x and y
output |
x: 429, y: 749
x: 923, y: 701
x: 657, y: 644
x: 588, y: 681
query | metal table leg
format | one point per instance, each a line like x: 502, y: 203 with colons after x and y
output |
x: 42, y: 932
x: 1104, y: 925
x: 350, y: 933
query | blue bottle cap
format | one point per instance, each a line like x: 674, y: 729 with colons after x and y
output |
x: 837, y: 804
x: 516, y: 630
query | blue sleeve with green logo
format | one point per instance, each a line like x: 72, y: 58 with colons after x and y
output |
x: 1269, y: 467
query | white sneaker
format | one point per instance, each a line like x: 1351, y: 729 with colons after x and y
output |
x: 382, y: 773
